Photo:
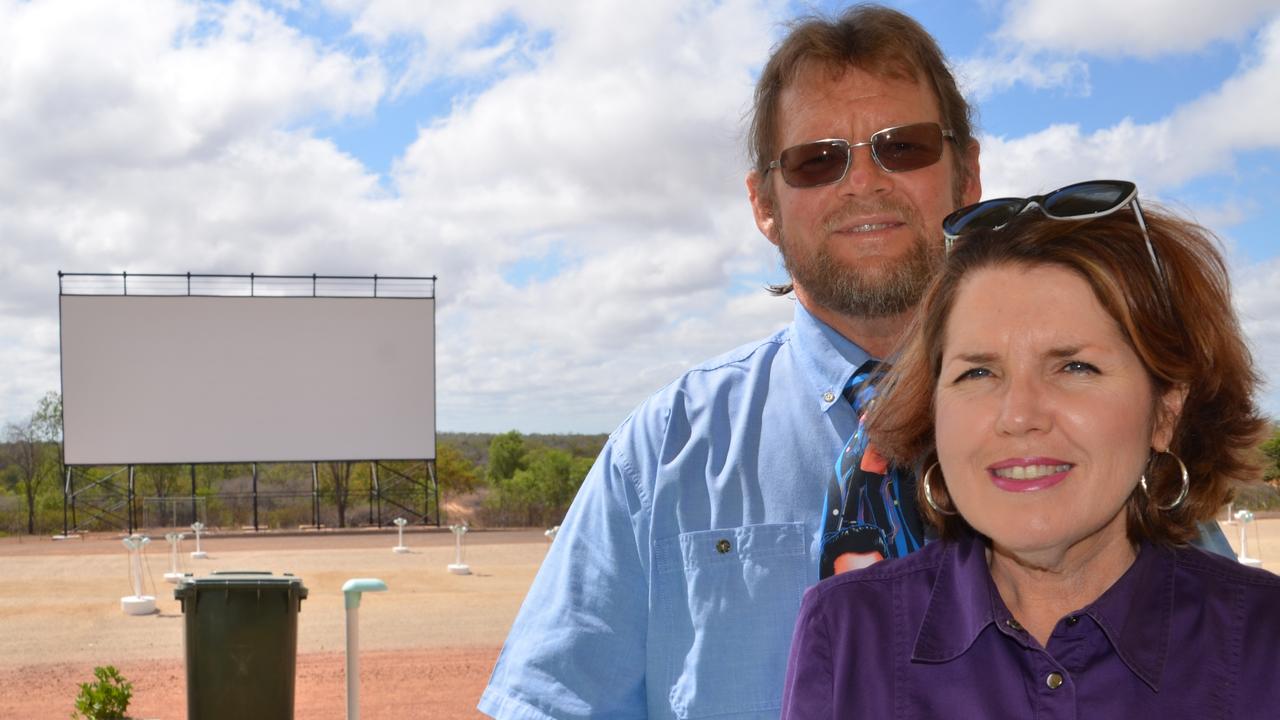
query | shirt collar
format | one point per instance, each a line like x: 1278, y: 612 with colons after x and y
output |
x: 961, y: 605
x: 1134, y: 613
x: 829, y: 358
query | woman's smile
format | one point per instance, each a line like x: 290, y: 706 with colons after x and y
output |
x: 1028, y: 474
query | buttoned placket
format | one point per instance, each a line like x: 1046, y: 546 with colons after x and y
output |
x: 1049, y: 685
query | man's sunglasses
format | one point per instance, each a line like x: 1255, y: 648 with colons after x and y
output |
x: 895, y: 149
x: 1080, y: 201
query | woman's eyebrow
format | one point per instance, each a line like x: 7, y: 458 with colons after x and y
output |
x: 1065, y: 351
x: 977, y: 358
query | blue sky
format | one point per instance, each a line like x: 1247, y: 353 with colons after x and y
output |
x: 571, y: 170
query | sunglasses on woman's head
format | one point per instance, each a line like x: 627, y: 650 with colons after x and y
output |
x: 895, y: 149
x: 1080, y: 201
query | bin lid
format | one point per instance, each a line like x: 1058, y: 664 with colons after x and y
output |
x: 241, y: 580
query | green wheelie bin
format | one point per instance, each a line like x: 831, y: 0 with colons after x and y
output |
x: 241, y: 638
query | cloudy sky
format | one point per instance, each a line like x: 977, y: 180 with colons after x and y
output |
x: 572, y: 170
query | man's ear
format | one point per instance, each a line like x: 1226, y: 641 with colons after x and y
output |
x: 972, y: 190
x: 761, y: 197
x: 1168, y: 411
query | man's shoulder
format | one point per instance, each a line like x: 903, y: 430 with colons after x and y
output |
x: 745, y: 357
x: 712, y: 377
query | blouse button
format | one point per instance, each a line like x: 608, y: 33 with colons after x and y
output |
x: 1013, y: 624
x: 723, y: 546
x: 1073, y: 620
x: 1053, y: 680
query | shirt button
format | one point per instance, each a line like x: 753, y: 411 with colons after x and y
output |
x: 1053, y: 680
x: 828, y: 396
x: 1073, y: 620
x: 1013, y: 624
x: 723, y: 546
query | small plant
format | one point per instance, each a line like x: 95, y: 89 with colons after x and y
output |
x: 106, y: 698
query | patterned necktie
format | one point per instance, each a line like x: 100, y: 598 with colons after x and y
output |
x: 870, y: 511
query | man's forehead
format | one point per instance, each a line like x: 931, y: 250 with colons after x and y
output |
x: 825, y: 72
x: 812, y: 93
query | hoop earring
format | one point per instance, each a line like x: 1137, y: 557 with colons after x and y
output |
x: 928, y: 494
x: 1186, y: 482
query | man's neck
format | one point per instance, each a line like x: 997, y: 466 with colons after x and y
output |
x: 877, y: 335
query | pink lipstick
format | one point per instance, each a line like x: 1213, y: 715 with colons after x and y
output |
x: 1028, y: 474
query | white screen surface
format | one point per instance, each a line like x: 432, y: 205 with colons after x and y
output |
x: 164, y: 379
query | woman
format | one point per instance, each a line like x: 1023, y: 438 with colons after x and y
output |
x: 1078, y: 396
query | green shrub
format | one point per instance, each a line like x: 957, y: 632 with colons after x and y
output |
x: 107, y: 698
x: 1257, y: 497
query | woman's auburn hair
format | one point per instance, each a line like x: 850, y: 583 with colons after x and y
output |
x: 1182, y: 328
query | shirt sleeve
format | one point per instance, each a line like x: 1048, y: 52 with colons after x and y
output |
x: 809, y: 689
x: 577, y: 647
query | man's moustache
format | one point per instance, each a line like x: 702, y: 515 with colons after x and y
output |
x: 852, y: 212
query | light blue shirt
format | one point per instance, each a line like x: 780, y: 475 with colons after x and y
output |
x: 672, y: 588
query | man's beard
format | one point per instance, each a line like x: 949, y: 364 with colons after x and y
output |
x: 860, y: 292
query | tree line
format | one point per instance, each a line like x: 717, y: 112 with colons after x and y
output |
x: 500, y: 479
x: 507, y: 479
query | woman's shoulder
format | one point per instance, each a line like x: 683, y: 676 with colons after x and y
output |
x: 1217, y: 568
x: 1221, y: 585
x: 1234, y: 608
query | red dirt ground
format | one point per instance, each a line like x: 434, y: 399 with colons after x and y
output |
x: 440, y: 683
x: 427, y: 646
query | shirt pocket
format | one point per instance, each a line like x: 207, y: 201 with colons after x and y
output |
x: 727, y: 602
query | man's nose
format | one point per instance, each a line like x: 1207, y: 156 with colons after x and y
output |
x: 865, y: 176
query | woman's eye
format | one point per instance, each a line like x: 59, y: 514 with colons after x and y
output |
x: 1079, y: 366
x: 973, y: 373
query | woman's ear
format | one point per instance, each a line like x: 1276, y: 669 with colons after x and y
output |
x: 1168, y: 410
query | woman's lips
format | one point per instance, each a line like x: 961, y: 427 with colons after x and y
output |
x: 1028, y: 474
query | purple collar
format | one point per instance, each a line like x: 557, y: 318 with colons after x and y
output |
x: 1134, y: 613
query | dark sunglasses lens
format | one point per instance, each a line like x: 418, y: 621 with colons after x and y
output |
x: 1087, y: 198
x: 817, y: 163
x: 988, y: 214
x: 910, y: 147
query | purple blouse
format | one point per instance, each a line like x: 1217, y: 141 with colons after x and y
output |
x: 1182, y: 634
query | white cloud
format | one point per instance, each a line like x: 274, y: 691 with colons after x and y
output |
x: 985, y: 76
x: 1138, y: 28
x: 449, y: 39
x: 617, y: 151
x: 127, y: 85
x: 599, y: 129
x: 1257, y: 296
x: 1200, y: 138
x: 147, y: 137
x: 175, y: 136
x: 1041, y: 42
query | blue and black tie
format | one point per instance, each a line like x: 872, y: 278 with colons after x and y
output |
x: 871, y: 509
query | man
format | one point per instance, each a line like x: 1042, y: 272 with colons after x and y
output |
x: 673, y: 585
